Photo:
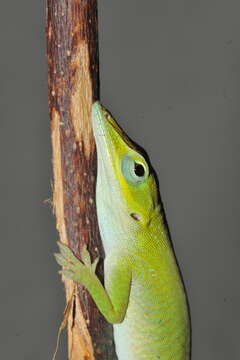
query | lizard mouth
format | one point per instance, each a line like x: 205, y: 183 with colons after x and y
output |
x: 101, y: 118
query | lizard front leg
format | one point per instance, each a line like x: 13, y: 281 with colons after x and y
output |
x: 111, y: 301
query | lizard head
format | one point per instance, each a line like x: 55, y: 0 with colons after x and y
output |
x: 126, y: 184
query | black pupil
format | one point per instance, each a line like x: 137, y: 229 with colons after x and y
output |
x: 139, y: 169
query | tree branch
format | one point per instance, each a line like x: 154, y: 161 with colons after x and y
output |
x: 72, y: 49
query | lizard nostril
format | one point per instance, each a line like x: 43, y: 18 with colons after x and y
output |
x: 135, y: 216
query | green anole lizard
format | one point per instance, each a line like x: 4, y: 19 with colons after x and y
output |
x: 143, y: 294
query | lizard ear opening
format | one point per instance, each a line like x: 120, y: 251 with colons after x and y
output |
x: 135, y: 216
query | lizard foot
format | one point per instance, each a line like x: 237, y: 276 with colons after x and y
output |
x: 73, y: 268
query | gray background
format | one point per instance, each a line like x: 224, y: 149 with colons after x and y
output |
x: 170, y: 73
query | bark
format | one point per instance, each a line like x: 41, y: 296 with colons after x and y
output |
x: 72, y: 49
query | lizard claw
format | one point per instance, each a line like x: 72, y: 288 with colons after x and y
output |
x: 85, y: 256
x: 67, y: 253
x: 68, y: 274
x: 94, y: 264
x: 86, y: 259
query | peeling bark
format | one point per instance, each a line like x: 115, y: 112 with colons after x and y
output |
x: 72, y: 49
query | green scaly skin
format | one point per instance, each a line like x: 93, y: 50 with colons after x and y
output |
x: 143, y: 295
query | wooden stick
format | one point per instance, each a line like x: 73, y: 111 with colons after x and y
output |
x: 72, y: 49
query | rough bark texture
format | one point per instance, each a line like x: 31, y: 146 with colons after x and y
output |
x: 72, y: 47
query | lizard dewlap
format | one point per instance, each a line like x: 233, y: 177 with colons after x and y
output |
x: 143, y: 296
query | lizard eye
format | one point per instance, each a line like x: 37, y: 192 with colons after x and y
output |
x: 139, y: 169
x: 134, y: 171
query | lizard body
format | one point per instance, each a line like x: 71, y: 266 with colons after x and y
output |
x: 143, y: 296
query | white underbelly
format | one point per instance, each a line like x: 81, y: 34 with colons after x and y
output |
x: 122, y: 338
